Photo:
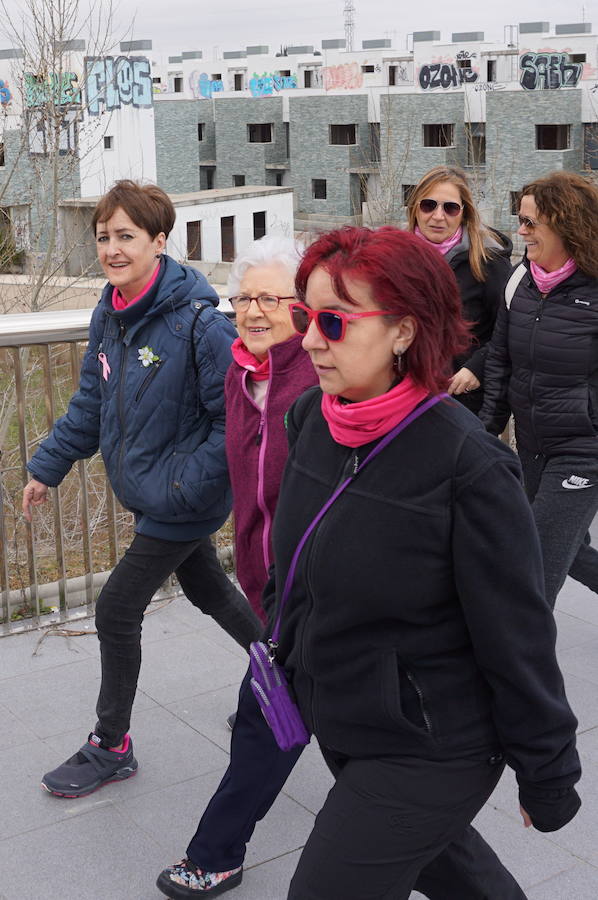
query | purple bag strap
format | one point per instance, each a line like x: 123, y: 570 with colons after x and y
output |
x: 420, y: 410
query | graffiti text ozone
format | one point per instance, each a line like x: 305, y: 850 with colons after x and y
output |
x: 445, y: 75
x: 113, y: 83
x: 548, y: 71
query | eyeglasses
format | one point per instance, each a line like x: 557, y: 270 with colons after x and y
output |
x: 525, y: 221
x: 331, y: 324
x: 265, y: 302
x: 450, y: 207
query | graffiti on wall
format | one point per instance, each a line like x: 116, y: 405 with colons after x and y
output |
x: 112, y: 83
x: 344, y: 77
x: 486, y: 86
x: 61, y: 89
x: 445, y: 75
x: 202, y: 86
x: 401, y: 72
x: 265, y: 85
x: 5, y: 94
x: 548, y: 71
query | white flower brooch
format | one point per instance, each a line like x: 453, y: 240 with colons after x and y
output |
x: 147, y: 356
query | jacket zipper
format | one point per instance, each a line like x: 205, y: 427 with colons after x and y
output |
x: 261, y: 440
x: 349, y: 469
x: 121, y: 405
x: 146, y: 381
x: 532, y: 379
x: 422, y: 702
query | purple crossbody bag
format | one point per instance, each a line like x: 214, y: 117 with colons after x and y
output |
x: 269, y: 682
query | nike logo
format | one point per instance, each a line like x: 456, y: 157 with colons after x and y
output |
x: 582, y: 302
x: 576, y: 483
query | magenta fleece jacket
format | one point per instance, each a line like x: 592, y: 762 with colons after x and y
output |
x: 256, y: 450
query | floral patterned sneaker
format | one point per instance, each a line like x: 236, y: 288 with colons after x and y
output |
x: 185, y: 879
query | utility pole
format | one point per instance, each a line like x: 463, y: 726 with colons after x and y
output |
x: 349, y: 11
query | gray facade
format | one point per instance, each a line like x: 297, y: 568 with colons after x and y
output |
x: 312, y: 156
x: 512, y: 156
x: 28, y: 181
x: 237, y: 155
x: 179, y: 152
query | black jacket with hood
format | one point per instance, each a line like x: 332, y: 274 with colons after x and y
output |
x: 480, y: 302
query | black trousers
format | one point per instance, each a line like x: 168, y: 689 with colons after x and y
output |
x: 563, y: 492
x: 393, y: 825
x: 412, y: 816
x: 145, y: 566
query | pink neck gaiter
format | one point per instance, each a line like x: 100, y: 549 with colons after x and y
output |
x: 355, y: 424
x: 258, y: 371
x: 546, y: 281
x: 446, y: 245
x: 119, y: 302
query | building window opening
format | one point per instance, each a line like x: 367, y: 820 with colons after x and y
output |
x: 342, y: 134
x: 307, y: 78
x: 238, y: 81
x: 552, y: 137
x: 491, y: 70
x: 193, y: 240
x: 108, y: 142
x: 318, y: 188
x: 200, y: 130
x: 178, y: 85
x: 238, y: 181
x: 438, y: 135
x: 259, y: 225
x: 260, y: 133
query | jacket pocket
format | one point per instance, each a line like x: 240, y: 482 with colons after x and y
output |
x: 405, y: 699
x: 148, y: 380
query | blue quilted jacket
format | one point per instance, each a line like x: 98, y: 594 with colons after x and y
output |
x: 160, y: 427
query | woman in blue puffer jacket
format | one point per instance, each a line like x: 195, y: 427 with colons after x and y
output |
x: 151, y: 398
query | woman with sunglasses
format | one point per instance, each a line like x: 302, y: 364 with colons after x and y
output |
x: 542, y: 366
x: 406, y: 637
x: 442, y: 212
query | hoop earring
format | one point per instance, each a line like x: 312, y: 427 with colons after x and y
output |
x: 158, y: 255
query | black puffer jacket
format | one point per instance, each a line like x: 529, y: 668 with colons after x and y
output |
x: 480, y: 301
x: 542, y: 365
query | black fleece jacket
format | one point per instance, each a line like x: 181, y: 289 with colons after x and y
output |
x: 417, y: 623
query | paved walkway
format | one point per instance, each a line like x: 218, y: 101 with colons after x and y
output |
x: 112, y: 844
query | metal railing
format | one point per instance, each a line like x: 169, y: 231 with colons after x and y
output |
x: 51, y: 570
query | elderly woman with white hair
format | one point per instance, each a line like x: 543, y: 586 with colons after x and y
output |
x: 269, y: 371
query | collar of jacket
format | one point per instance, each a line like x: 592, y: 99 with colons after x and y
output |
x: 577, y: 280
x: 500, y: 245
x: 284, y: 356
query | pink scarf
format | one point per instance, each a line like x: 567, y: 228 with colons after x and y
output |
x: 259, y: 371
x: 446, y: 245
x: 119, y: 302
x: 355, y: 424
x: 546, y: 281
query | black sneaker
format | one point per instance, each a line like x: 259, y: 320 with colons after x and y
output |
x: 185, y: 879
x: 90, y: 768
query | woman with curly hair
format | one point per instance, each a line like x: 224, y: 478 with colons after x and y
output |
x: 542, y: 366
x: 443, y: 214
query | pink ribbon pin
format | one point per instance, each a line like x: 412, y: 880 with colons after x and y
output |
x: 105, y: 366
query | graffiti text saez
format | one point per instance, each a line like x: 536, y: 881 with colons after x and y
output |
x: 445, y: 75
x: 548, y: 71
x: 115, y: 82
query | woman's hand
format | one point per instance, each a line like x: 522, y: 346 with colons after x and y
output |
x: 34, y: 494
x: 527, y: 822
x: 462, y: 382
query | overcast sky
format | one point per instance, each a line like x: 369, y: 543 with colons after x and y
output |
x: 175, y: 25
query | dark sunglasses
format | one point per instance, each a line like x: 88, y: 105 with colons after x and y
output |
x: 451, y: 208
x: 331, y: 324
x: 527, y: 222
